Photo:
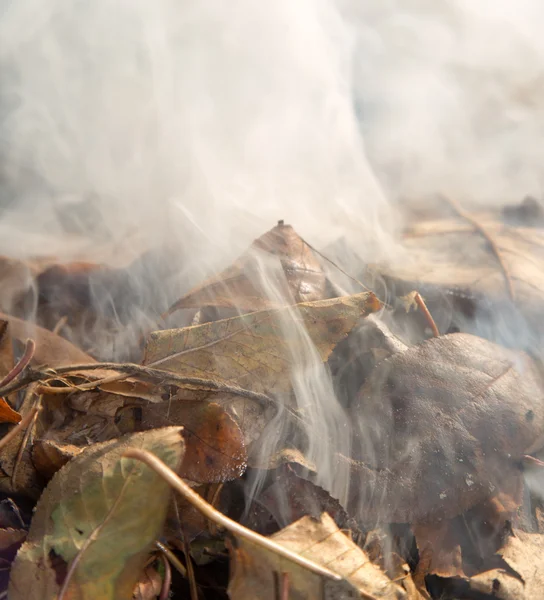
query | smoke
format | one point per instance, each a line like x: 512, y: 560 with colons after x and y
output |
x: 210, y: 118
x: 451, y: 95
x: 204, y: 122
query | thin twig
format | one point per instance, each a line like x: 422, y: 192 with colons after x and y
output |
x: 193, y: 588
x: 24, y: 441
x: 21, y: 426
x: 284, y: 593
x: 167, y: 581
x: 172, y: 558
x: 60, y: 324
x: 211, y: 513
x: 131, y: 369
x: 532, y: 460
x: 490, y: 240
x: 418, y: 299
x: 366, y: 288
x: 212, y: 527
x: 28, y: 354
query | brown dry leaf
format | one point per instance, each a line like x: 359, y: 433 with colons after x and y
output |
x: 16, y: 278
x: 522, y: 576
x: 439, y: 551
x: 255, y: 351
x: 95, y: 524
x: 257, y: 573
x: 6, y: 349
x: 17, y: 473
x: 54, y: 351
x: 51, y: 350
x: 452, y: 416
x: 242, y: 286
x: 149, y: 587
x: 10, y: 542
x: 451, y: 254
x: 214, y: 446
x: 48, y: 456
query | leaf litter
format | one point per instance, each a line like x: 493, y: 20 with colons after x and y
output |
x: 444, y: 429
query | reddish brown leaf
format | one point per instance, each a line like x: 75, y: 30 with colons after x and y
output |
x: 439, y: 551
x: 214, y: 445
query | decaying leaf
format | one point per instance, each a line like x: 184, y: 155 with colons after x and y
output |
x: 6, y: 349
x: 309, y: 559
x: 243, y: 285
x: 256, y: 351
x: 17, y: 473
x: 149, y: 587
x: 95, y: 523
x: 521, y: 576
x: 49, y: 456
x: 214, y: 446
x: 452, y: 416
x: 51, y: 350
x: 453, y: 255
x: 10, y: 542
x: 439, y: 550
x: 258, y: 573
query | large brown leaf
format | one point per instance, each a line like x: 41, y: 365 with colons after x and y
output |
x: 442, y: 427
x: 243, y: 285
x: 51, y: 350
x: 504, y: 264
x: 321, y: 542
x: 257, y: 351
x: 521, y: 576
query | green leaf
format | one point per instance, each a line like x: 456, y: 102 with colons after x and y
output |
x: 95, y: 524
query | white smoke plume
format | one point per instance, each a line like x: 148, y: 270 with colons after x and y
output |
x: 206, y: 122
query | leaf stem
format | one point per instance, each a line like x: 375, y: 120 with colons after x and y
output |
x: 20, y: 366
x: 23, y: 424
x: 211, y: 513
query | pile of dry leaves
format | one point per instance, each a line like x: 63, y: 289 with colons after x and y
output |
x: 155, y: 478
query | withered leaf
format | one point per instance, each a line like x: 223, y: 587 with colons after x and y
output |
x: 451, y: 417
x: 298, y: 277
x: 17, y: 473
x: 96, y: 520
x: 49, y: 456
x: 51, y: 350
x: 522, y: 574
x: 451, y: 254
x: 6, y: 349
x: 10, y: 542
x: 257, y: 573
x: 149, y: 587
x: 255, y: 351
x: 214, y: 446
